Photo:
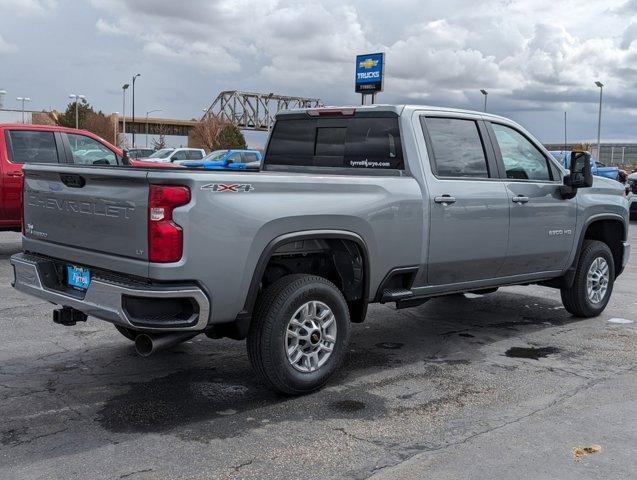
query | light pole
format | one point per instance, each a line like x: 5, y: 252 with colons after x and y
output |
x: 77, y: 98
x: 2, y: 94
x: 565, y: 133
x: 134, y: 78
x: 115, y: 125
x: 486, y: 94
x: 148, y: 112
x: 599, y: 121
x: 23, y: 99
x: 124, y: 88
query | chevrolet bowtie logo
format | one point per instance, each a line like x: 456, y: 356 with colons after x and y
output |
x: 368, y: 63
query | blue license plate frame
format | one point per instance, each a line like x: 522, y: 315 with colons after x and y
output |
x: 78, y: 277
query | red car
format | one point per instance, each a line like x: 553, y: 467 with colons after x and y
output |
x: 20, y: 144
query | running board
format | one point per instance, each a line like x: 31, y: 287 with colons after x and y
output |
x: 395, y: 295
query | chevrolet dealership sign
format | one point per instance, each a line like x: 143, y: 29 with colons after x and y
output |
x: 369, y: 73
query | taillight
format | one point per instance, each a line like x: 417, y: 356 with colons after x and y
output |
x: 165, y: 237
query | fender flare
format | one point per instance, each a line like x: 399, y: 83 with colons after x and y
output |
x: 569, y: 275
x: 246, y: 314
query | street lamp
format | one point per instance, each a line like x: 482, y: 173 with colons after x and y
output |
x: 599, y: 121
x: 77, y: 98
x: 124, y: 88
x: 134, y: 78
x: 485, y: 93
x: 23, y: 99
x: 115, y: 125
x: 148, y: 112
x: 2, y: 94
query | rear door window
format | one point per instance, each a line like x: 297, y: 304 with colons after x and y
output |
x: 88, y: 151
x: 180, y: 155
x: 249, y: 157
x: 358, y: 143
x: 31, y: 147
x: 194, y: 154
x: 457, y: 147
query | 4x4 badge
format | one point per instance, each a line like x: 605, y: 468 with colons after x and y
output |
x: 228, y: 187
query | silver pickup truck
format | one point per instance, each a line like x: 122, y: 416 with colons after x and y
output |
x: 390, y: 204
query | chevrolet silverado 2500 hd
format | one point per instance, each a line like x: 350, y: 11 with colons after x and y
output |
x: 393, y: 204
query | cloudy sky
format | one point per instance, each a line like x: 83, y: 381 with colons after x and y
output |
x: 537, y: 58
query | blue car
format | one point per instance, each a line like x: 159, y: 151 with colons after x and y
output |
x: 228, y: 160
x: 597, y: 168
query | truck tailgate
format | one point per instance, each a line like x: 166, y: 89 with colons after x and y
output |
x: 93, y: 209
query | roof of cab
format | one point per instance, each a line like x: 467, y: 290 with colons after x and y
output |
x: 44, y: 128
x: 397, y: 109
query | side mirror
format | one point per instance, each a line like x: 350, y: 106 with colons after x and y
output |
x: 125, y: 157
x: 581, y: 175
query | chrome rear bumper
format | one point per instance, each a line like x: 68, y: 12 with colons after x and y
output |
x: 112, y: 300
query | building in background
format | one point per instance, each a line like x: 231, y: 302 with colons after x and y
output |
x: 612, y: 153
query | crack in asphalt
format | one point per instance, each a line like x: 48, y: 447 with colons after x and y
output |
x: 11, y: 439
x: 244, y: 464
x: 377, y: 443
x: 136, y: 472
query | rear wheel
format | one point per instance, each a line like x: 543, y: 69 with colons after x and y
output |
x: 299, y: 334
x: 593, y: 283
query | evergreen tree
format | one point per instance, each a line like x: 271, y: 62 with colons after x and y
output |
x: 67, y: 119
x: 230, y: 137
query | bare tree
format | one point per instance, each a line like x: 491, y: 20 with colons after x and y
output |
x: 99, y: 124
x: 159, y: 142
x: 205, y: 133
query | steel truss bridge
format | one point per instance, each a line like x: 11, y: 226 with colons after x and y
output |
x: 255, y: 111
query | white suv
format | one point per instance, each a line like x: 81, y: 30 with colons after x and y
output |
x: 176, y: 155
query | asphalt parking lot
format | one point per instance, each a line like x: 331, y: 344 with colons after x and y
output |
x: 498, y: 386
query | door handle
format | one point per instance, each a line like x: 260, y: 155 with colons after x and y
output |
x: 15, y: 174
x: 520, y: 199
x: 445, y: 199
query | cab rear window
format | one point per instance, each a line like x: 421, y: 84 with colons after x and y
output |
x: 31, y: 146
x: 361, y: 143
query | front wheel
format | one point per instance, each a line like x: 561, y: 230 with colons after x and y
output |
x: 593, y: 283
x: 299, y: 334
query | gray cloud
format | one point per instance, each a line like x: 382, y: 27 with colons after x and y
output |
x: 533, y: 56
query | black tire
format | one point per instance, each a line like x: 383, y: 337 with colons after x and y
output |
x: 267, y: 336
x: 575, y: 298
x: 127, y: 332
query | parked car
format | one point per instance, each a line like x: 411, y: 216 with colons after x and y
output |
x: 631, y: 181
x: 228, y: 159
x: 140, y: 152
x: 176, y: 155
x: 354, y: 205
x: 598, y: 168
x: 24, y: 144
x: 144, y: 163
